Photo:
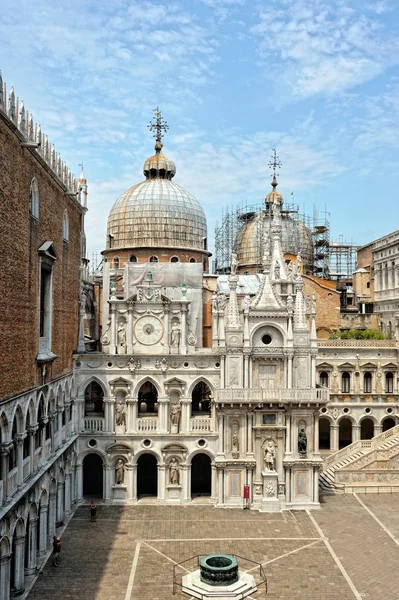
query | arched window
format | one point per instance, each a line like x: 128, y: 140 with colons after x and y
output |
x: 154, y: 259
x: 65, y: 226
x: 346, y: 382
x: 94, y: 400
x: 132, y: 258
x: 116, y: 262
x: 389, y: 383
x: 192, y: 260
x: 201, y: 399
x: 324, y: 379
x: 367, y: 381
x: 174, y: 259
x: 34, y: 199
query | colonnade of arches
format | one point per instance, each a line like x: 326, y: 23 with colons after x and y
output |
x: 367, y: 381
x: 27, y: 534
x: 147, y: 480
x: 346, y: 430
x: 147, y: 397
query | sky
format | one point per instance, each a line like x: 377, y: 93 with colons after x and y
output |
x: 317, y: 80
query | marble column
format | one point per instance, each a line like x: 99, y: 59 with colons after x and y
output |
x: 183, y: 343
x: 161, y: 482
x: 108, y: 481
x: 31, y: 432
x: 67, y: 493
x: 315, y: 485
x: 214, y: 486
x: 185, y: 415
x: 220, y: 499
x: 129, y: 332
x: 5, y: 576
x: 109, y: 415
x: 377, y: 430
x: 288, y: 447
x: 355, y: 433
x: 289, y: 371
x: 250, y: 448
x: 32, y: 547
x: 220, y: 434
x: 5, y: 453
x: 60, y: 503
x: 222, y: 370
x: 184, y: 481
x: 43, y: 540
x: 334, y: 440
x: 19, y: 440
x: 51, y: 517
x: 134, y: 481
x: 316, y: 433
x: 79, y: 482
x: 288, y: 484
x: 246, y: 371
x: 131, y: 422
x: 112, y: 331
x: 19, y: 559
x: 163, y: 415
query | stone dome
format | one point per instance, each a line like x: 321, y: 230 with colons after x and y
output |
x: 157, y: 212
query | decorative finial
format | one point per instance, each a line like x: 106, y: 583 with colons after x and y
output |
x: 158, y: 126
x: 274, y: 164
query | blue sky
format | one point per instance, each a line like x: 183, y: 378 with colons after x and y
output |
x: 233, y: 78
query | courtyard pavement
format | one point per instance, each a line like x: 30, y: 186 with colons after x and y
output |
x: 347, y: 550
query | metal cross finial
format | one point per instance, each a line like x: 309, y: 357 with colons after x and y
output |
x: 274, y: 162
x: 158, y: 126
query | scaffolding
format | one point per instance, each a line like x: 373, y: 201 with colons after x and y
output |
x: 241, y: 231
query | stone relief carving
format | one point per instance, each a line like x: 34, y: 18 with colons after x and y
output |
x: 161, y: 364
x: 148, y: 294
x: 105, y: 337
x: 133, y: 364
x: 270, y: 490
x: 258, y: 489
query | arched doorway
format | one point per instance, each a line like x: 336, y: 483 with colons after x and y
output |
x: 345, y: 433
x: 147, y: 476
x: 93, y: 475
x: 201, y: 480
x: 94, y: 400
x: 388, y: 423
x: 324, y: 434
x: 366, y: 429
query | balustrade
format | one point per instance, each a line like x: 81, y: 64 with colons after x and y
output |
x: 200, y: 424
x: 94, y: 423
x: 147, y: 424
x: 254, y: 396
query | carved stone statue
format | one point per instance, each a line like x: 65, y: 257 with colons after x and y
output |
x: 302, y: 441
x: 298, y: 263
x: 174, y: 472
x: 222, y: 300
x: 133, y: 364
x: 235, y: 443
x: 120, y: 414
x: 119, y: 471
x: 121, y: 334
x: 247, y: 302
x: 291, y: 272
x: 234, y: 264
x: 269, y: 455
x: 175, y: 411
x: 161, y: 364
x: 214, y: 302
x: 175, y: 335
x: 290, y: 303
x: 276, y: 270
x: 112, y: 289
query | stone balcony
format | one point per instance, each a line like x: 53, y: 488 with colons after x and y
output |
x: 310, y: 396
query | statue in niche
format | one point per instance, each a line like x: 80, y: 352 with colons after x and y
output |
x: 175, y: 335
x: 234, y: 264
x: 290, y: 303
x: 175, y: 411
x: 120, y: 414
x: 174, y: 472
x: 299, y: 263
x: 276, y: 270
x: 235, y: 443
x: 121, y: 334
x: 113, y: 288
x: 270, y: 455
x: 302, y: 441
x: 119, y: 471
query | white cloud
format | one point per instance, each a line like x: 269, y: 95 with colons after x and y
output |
x: 322, y: 49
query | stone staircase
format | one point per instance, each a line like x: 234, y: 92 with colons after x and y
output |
x: 360, y: 462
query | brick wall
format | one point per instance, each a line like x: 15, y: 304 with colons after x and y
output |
x: 21, y: 236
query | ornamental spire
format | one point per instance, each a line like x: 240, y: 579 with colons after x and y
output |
x: 159, y: 127
x: 274, y: 164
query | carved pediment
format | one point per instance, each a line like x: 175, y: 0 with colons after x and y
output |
x: 325, y: 366
x: 346, y: 366
x: 119, y: 448
x: 119, y: 382
x: 369, y: 366
x: 389, y: 367
x: 175, y: 384
x: 175, y: 449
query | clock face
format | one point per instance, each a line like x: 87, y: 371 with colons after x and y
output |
x: 148, y: 330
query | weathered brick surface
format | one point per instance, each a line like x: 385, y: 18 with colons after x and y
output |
x: 21, y: 236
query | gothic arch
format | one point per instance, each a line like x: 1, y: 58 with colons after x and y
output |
x: 43, y: 500
x: 30, y: 412
x: 200, y: 379
x: 19, y: 527
x: 4, y: 427
x: 41, y: 400
x: 33, y: 511
x: 346, y: 416
x: 18, y: 415
x: 5, y: 546
x: 142, y: 381
x: 84, y: 384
